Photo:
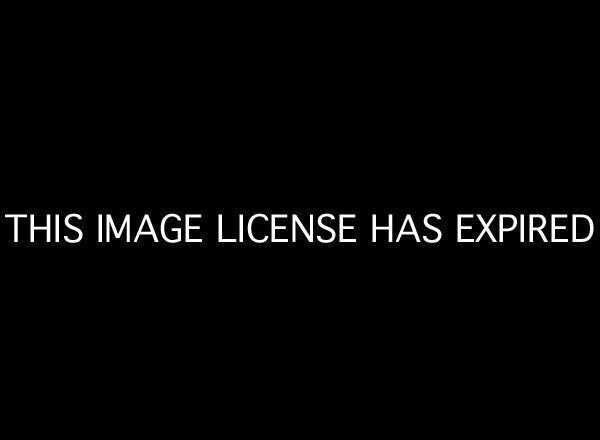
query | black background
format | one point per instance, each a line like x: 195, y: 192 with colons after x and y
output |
x: 381, y: 113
